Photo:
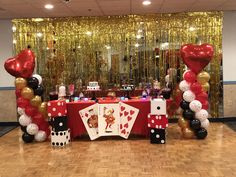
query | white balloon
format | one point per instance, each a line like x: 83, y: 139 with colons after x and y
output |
x: 167, y: 78
x: 38, y: 77
x: 24, y: 120
x: 201, y: 115
x: 32, y: 129
x: 184, y: 86
x: 195, y: 105
x: 205, y: 124
x: 40, y: 136
x: 189, y: 96
x: 20, y: 111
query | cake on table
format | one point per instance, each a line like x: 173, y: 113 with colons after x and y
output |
x: 93, y: 86
x: 127, y: 87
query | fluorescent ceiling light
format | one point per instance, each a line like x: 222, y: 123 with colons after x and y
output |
x: 48, y: 6
x: 146, y: 2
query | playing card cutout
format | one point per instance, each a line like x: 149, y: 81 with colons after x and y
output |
x: 108, y: 119
x: 89, y: 117
x: 128, y: 115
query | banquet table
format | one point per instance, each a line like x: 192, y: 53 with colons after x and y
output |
x: 140, y: 125
x: 77, y: 127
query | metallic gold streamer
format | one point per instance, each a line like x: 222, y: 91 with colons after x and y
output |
x: 113, y: 48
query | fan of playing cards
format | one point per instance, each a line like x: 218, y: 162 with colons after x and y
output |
x: 109, y: 119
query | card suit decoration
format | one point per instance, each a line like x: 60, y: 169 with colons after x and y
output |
x: 196, y: 57
x: 126, y: 113
x: 21, y: 65
x: 129, y: 118
x: 122, y: 108
x: 131, y: 112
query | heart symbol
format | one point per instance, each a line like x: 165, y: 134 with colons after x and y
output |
x: 196, y: 57
x: 131, y: 112
x: 123, y: 131
x: 86, y: 114
x: 121, y: 126
x: 21, y: 65
x: 129, y: 118
x: 121, y: 114
x: 122, y: 108
x: 126, y: 125
x: 126, y: 113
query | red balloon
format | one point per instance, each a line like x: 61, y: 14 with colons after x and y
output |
x: 30, y: 111
x: 45, y: 127
x: 38, y: 118
x: 18, y: 93
x: 196, y: 57
x: 202, y: 97
x: 21, y: 65
x: 205, y: 105
x: 190, y: 76
x: 22, y: 103
x: 196, y: 88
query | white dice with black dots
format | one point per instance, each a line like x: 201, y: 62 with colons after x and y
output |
x: 157, y: 136
x: 158, y: 106
x: 60, y: 138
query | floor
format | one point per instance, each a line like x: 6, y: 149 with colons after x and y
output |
x: 5, y: 129
x: 214, y: 156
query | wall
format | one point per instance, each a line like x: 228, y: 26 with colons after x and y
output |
x: 229, y: 63
x: 7, y: 92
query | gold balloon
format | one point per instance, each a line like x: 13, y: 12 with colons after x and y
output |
x: 20, y: 83
x: 43, y: 108
x: 188, y: 133
x: 203, y: 77
x: 36, y: 101
x: 27, y: 93
x: 206, y: 87
x: 183, y: 123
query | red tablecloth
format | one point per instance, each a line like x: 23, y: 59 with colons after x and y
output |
x: 77, y: 127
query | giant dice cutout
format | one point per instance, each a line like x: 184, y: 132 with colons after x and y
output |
x: 59, y: 123
x: 157, y: 121
x: 56, y: 108
x: 60, y: 138
x: 158, y: 106
x: 158, y: 136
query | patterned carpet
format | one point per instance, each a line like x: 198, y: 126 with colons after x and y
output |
x: 5, y: 129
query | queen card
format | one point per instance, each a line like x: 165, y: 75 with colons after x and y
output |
x: 89, y: 117
x: 108, y: 119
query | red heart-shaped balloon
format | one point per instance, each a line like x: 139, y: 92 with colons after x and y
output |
x: 196, y: 57
x: 22, y: 65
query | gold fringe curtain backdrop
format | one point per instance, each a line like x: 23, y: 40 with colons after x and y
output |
x: 111, y: 49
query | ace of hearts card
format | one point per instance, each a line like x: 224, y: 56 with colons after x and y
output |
x: 128, y: 115
x: 89, y: 116
x: 108, y: 119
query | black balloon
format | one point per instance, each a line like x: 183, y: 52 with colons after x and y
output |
x: 33, y: 82
x: 23, y: 128
x: 27, y: 138
x: 39, y: 90
x: 188, y: 114
x: 184, y: 105
x: 201, y: 133
x: 195, y: 124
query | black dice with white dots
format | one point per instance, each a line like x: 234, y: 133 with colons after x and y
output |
x: 59, y: 123
x: 157, y: 136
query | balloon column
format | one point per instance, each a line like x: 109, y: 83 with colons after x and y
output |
x: 195, y: 86
x: 30, y: 106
